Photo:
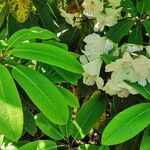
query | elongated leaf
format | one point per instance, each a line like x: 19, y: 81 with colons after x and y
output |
x: 32, y: 33
x: 48, y: 128
x: 48, y: 54
x: 129, y: 7
x: 145, y: 145
x: 143, y: 90
x: 127, y: 124
x: 70, y: 98
x: 108, y: 58
x: 29, y: 122
x: 93, y: 147
x: 66, y: 129
x: 11, y: 113
x: 43, y: 94
x: 20, y: 9
x: 143, y: 6
x: 136, y: 36
x: 40, y: 145
x: 87, y: 116
x: 68, y: 76
x: 45, y: 14
x: 119, y: 30
x: 147, y: 26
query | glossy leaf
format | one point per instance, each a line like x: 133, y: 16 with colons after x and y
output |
x: 28, y: 34
x: 11, y: 113
x: 143, y: 90
x: 66, y: 129
x: 93, y: 147
x: 45, y: 15
x: 145, y: 145
x: 43, y: 93
x: 48, y: 54
x: 107, y: 58
x: 127, y: 124
x: 48, y: 128
x: 88, y: 115
x: 129, y: 7
x: 147, y: 26
x: 143, y: 6
x: 68, y: 76
x: 136, y: 36
x: 29, y: 122
x: 119, y: 30
x: 70, y: 98
x: 40, y: 145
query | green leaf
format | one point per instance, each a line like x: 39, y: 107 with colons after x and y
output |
x: 56, y: 78
x: 147, y: 26
x: 136, y: 36
x: 127, y: 124
x: 145, y: 145
x: 118, y: 31
x: 66, y: 129
x: 43, y: 93
x: 143, y: 6
x: 143, y: 90
x: 11, y: 113
x: 48, y: 54
x: 29, y: 122
x: 129, y: 7
x: 92, y: 147
x: 88, y: 115
x: 45, y: 15
x: 48, y: 128
x: 70, y: 98
x: 40, y: 145
x: 68, y: 76
x: 28, y: 34
x: 107, y: 58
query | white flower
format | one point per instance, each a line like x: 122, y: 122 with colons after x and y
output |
x: 91, y: 80
x: 115, y: 3
x: 118, y: 88
x: 122, y: 69
x: 92, y: 8
x: 142, y: 66
x: 111, y: 16
x: 148, y: 50
x: 93, y: 67
x: 70, y: 18
x: 108, y: 19
x: 96, y: 45
x: 91, y: 74
x: 131, y: 48
x: 91, y: 60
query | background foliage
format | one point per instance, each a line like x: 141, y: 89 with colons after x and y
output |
x: 44, y: 102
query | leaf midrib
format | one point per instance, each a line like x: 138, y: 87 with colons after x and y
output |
x: 46, y: 97
x: 124, y: 125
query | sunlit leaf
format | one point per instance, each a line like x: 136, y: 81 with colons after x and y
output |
x: 127, y: 124
x: 11, y: 113
x: 43, y: 93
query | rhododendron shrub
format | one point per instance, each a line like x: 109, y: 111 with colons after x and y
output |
x: 74, y: 74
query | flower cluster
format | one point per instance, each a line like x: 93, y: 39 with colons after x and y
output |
x: 91, y: 60
x: 104, y: 16
x: 130, y: 67
x: 102, y: 13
